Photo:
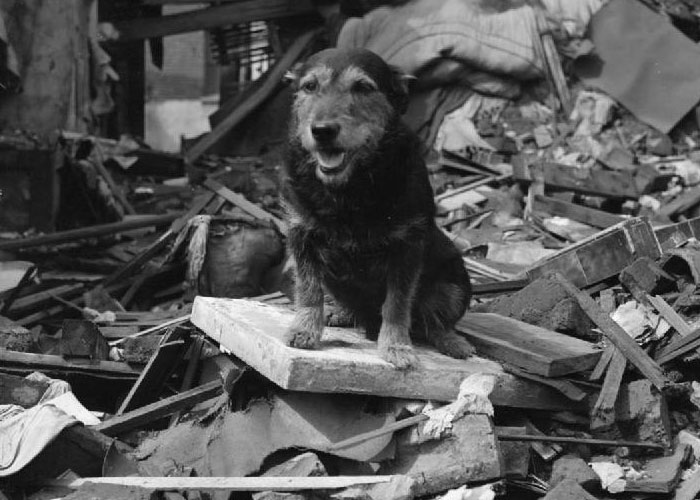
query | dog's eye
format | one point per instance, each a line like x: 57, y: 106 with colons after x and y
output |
x: 363, y: 87
x: 309, y: 86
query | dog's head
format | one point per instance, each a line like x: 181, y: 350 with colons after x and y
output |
x: 344, y: 102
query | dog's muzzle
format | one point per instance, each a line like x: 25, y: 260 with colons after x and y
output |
x: 328, y: 155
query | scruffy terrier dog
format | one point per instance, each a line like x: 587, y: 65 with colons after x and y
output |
x: 361, y: 212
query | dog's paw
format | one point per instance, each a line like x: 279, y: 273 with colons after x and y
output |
x: 453, y: 345
x: 302, y: 338
x: 401, y: 356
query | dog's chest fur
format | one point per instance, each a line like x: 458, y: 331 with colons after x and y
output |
x: 350, y: 232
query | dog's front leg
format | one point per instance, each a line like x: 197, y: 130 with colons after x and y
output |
x: 405, y: 267
x: 307, y: 326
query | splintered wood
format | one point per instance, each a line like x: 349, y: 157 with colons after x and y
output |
x: 537, y: 350
x: 347, y: 362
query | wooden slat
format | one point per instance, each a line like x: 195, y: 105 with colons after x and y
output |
x: 151, y: 412
x: 154, y: 375
x: 347, y: 362
x: 265, y: 483
x: 89, y: 232
x: 49, y: 362
x: 273, y: 78
x: 244, y: 204
x: 211, y: 17
x: 535, y: 349
x: 603, y: 413
x: 602, y: 255
x: 619, y: 337
x: 587, y: 215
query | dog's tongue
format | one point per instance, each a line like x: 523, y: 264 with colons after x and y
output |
x: 330, y: 160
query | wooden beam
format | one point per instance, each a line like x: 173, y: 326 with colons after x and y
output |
x: 244, y: 204
x: 136, y: 222
x: 154, y: 375
x: 273, y: 78
x: 269, y: 483
x: 573, y: 211
x: 347, y: 362
x: 154, y: 411
x: 50, y: 362
x: 619, y: 337
x: 609, y: 183
x: 530, y: 347
x: 210, y: 17
x: 603, y: 413
x: 602, y: 255
x: 679, y: 347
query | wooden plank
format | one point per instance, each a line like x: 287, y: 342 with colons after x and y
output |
x: 347, y: 362
x: 211, y: 17
x: 551, y: 56
x: 603, y: 363
x: 685, y: 201
x: 273, y: 78
x: 619, y: 337
x: 598, y: 182
x: 136, y: 222
x: 244, y: 204
x: 269, y: 483
x: 662, y: 474
x: 603, y: 412
x: 573, y: 211
x: 532, y: 348
x: 674, y: 235
x: 155, y: 373
x: 602, y: 255
x: 49, y: 362
x: 151, y: 412
x: 670, y: 315
x: 679, y: 347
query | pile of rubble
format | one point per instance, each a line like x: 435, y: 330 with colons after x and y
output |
x: 140, y: 344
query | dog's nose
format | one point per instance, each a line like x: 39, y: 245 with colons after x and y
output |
x: 325, y: 131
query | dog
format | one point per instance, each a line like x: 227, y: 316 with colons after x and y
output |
x: 360, y: 212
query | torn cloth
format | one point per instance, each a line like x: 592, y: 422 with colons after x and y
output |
x: 501, y: 39
x: 644, y: 62
x: 25, y: 433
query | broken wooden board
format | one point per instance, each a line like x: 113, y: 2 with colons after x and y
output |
x: 573, y: 211
x: 49, y: 363
x: 349, y: 363
x: 662, y: 474
x: 152, y: 412
x: 532, y: 348
x: 602, y: 255
x: 230, y: 483
x: 674, y: 235
x: 598, y: 182
x: 470, y: 453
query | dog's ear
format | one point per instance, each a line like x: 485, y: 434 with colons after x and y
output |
x: 399, y: 89
x: 292, y: 76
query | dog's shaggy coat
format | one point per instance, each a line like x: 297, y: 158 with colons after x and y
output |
x: 361, y: 212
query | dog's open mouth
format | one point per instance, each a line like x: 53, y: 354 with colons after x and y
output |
x: 330, y: 160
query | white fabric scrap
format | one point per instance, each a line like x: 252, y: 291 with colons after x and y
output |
x: 25, y: 434
x: 473, y: 398
x: 612, y: 476
x: 484, y: 492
